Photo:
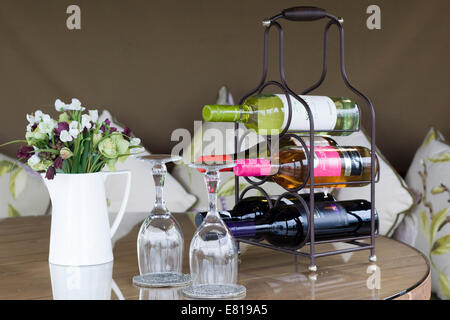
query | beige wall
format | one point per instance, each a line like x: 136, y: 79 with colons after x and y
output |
x: 155, y: 63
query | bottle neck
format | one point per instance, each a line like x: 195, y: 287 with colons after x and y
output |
x: 226, y: 113
x: 256, y: 167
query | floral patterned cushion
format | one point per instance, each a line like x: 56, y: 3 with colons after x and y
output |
x: 427, y: 225
x: 392, y: 196
x: 22, y: 191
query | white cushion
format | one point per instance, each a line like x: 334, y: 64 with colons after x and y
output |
x: 22, y: 190
x: 142, y: 194
x: 427, y: 226
x: 392, y: 196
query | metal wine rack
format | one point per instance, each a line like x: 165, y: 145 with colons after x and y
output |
x: 308, y: 14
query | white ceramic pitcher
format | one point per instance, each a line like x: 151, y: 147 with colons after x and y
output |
x: 80, y: 232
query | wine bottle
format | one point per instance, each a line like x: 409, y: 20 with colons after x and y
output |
x: 255, y: 208
x: 268, y: 114
x: 261, y: 151
x: 334, y: 166
x: 287, y: 225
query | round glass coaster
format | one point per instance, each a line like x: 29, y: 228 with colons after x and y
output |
x: 162, y: 279
x: 215, y: 291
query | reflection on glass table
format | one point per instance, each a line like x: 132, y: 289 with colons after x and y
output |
x: 160, y: 293
x: 83, y: 283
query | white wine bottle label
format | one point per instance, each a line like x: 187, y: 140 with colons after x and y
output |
x: 322, y: 108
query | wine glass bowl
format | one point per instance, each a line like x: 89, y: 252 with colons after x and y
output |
x: 213, y: 254
x: 160, y: 241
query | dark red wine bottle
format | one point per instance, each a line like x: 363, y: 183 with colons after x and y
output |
x: 254, y: 208
x: 286, y: 225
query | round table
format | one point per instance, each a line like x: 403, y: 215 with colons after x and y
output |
x: 401, y: 272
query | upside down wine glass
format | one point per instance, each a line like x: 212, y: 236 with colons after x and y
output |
x: 213, y: 254
x: 160, y: 241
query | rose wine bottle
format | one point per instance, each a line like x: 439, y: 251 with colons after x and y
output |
x: 334, y: 167
x: 268, y: 114
x: 261, y: 151
x: 255, y: 208
x: 287, y: 225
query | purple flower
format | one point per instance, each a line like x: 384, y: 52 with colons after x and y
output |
x: 58, y: 163
x: 108, y: 123
x: 61, y: 127
x: 126, y: 133
x: 25, y: 152
x: 51, y: 171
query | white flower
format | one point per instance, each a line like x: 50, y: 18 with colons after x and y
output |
x: 135, y: 141
x: 74, y: 105
x: 47, y: 126
x: 29, y: 127
x: 34, y: 160
x: 65, y: 136
x: 31, y: 119
x: 38, y: 116
x: 73, y: 129
x: 94, y: 115
x: 86, y: 122
x: 59, y: 105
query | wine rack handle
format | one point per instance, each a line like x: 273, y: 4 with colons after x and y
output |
x: 304, y: 13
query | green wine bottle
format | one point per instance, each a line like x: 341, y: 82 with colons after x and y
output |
x: 267, y: 114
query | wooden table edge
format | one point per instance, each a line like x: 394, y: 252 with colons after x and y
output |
x: 422, y: 289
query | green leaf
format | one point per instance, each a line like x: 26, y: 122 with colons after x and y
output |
x: 431, y: 137
x: 227, y: 188
x: 441, y: 246
x: 12, y: 212
x: 436, y: 222
x: 444, y: 284
x: 441, y: 157
x: 424, y: 224
x: 437, y: 190
x: 7, y: 167
x: 85, y: 156
x: 17, y: 182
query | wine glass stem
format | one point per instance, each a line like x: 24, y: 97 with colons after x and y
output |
x: 159, y: 175
x: 212, y: 184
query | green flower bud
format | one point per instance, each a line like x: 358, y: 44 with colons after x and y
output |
x: 35, y: 137
x: 64, y: 117
x: 111, y: 164
x: 65, y: 153
x: 114, y: 147
x: 107, y: 148
x: 96, y: 138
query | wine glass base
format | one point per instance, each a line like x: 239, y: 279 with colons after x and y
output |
x: 162, y: 280
x: 215, y: 291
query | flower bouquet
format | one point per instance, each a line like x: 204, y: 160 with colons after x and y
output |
x: 75, y: 143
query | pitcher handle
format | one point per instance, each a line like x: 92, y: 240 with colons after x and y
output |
x: 126, y: 196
